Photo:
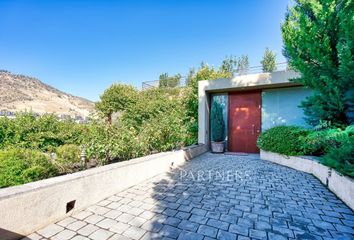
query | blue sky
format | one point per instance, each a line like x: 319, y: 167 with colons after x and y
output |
x: 82, y: 47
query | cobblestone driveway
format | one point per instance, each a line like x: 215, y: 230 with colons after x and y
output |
x: 215, y: 197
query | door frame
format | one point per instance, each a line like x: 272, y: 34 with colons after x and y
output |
x: 260, y: 110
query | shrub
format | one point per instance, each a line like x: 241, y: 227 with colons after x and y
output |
x: 340, y: 155
x: 217, y: 122
x: 18, y: 166
x: 68, y: 158
x: 287, y: 140
x: 318, y: 143
x: 341, y: 158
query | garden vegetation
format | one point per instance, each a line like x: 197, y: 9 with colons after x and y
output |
x: 128, y: 123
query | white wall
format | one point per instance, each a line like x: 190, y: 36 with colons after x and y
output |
x: 29, y: 207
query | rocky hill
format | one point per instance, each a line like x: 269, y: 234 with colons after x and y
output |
x: 23, y: 93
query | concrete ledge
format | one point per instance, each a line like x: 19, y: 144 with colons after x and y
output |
x: 29, y: 207
x: 340, y: 185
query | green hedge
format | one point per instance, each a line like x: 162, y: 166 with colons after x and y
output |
x: 19, y: 166
x: 335, y: 147
x: 287, y: 140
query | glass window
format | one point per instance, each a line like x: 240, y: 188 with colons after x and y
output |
x: 221, y: 100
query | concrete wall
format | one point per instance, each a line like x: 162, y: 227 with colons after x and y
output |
x: 239, y: 83
x: 340, y: 185
x: 29, y: 207
x: 281, y: 107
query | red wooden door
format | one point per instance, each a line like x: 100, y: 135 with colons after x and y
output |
x: 244, y: 121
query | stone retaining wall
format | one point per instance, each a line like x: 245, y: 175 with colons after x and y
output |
x: 29, y: 207
x: 340, y: 185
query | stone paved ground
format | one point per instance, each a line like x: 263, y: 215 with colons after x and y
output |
x: 215, y: 197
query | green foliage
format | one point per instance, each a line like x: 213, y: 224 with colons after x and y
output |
x: 341, y: 158
x: 269, y: 61
x: 190, y: 99
x: 68, y: 158
x: 116, y: 98
x: 334, y: 146
x: 167, y: 81
x: 243, y: 65
x: 217, y: 122
x: 44, y: 132
x: 318, y: 42
x: 18, y: 166
x: 286, y: 140
x: 318, y: 143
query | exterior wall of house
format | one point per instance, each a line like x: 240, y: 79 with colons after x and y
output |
x: 240, y: 83
x: 281, y: 107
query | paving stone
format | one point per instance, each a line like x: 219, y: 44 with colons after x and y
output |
x: 93, y: 219
x: 137, y: 221
x: 64, y: 235
x: 147, y: 215
x: 100, y: 234
x: 258, y: 234
x: 152, y: 226
x: 198, y: 219
x: 113, y: 214
x: 78, y: 237
x: 186, y: 235
x: 269, y: 201
x: 182, y: 215
x: 119, y: 237
x: 228, y: 218
x: 87, y: 230
x: 188, y: 225
x: 185, y: 208
x: 239, y: 229
x: 65, y: 222
x: 274, y: 236
x: 169, y: 231
x: 106, y: 223
x: 219, y: 224
x: 134, y: 232
x: 207, y: 231
x: 199, y: 212
x: 82, y: 215
x: 125, y: 217
x: 76, y: 225
x: 33, y: 236
x: 223, y: 235
x: 50, y: 230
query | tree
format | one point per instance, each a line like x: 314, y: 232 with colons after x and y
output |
x: 268, y: 62
x: 191, y: 95
x: 217, y: 122
x: 318, y: 43
x: 229, y: 65
x: 167, y: 81
x: 243, y: 65
x: 116, y: 98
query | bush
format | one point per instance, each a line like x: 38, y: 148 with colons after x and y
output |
x: 318, y: 143
x: 341, y: 158
x: 18, y: 166
x: 68, y: 158
x: 340, y: 155
x: 287, y: 140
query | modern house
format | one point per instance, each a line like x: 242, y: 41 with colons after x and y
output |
x: 251, y: 104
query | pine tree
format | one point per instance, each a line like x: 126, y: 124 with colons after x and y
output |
x: 268, y: 62
x: 318, y: 42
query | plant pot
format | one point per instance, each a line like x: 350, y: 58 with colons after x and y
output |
x: 217, y: 147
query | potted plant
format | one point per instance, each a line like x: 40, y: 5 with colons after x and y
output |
x: 217, y: 128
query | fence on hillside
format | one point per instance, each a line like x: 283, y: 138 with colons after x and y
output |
x: 183, y: 81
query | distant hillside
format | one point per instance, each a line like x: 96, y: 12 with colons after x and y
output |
x: 20, y: 93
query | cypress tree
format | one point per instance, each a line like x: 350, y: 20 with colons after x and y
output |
x: 318, y: 42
